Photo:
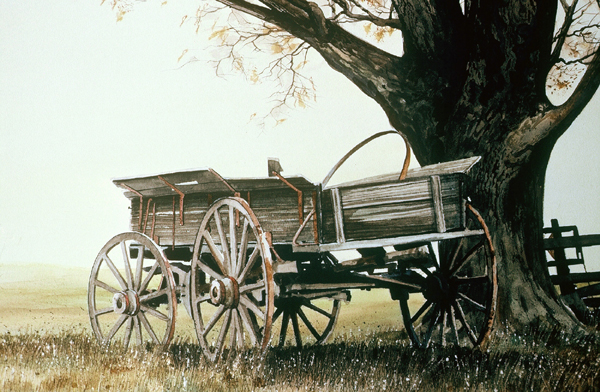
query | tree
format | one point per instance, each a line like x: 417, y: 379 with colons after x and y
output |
x: 473, y: 78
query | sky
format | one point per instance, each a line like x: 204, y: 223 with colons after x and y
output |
x: 84, y: 99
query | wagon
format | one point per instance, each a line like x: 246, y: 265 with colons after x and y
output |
x: 253, y: 259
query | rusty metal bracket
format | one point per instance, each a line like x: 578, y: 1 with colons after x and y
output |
x: 138, y: 194
x: 298, y: 191
x: 228, y: 185
x: 146, y: 217
x: 181, y: 196
x: 301, y: 229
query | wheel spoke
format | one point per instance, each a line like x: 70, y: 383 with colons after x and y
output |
x: 251, y: 261
x: 249, y: 303
x: 481, y: 279
x: 284, y: 326
x: 138, y: 329
x: 222, y: 334
x: 105, y: 286
x: 463, y: 320
x: 455, y: 254
x: 209, y: 271
x: 100, y: 312
x: 154, y: 313
x: 155, y: 294
x: 243, y: 248
x: 149, y: 277
x: 443, y: 327
x: 115, y: 328
x: 317, y: 309
x: 239, y: 329
x: 232, y: 241
x: 296, y: 329
x: 213, y: 320
x: 476, y: 304
x: 308, y: 324
x: 432, y: 325
x: 139, y: 269
x: 148, y: 327
x: 128, y: 273
x: 464, y: 261
x: 217, y: 255
x: 277, y: 313
x: 453, y: 325
x: 248, y: 324
x: 115, y: 272
x: 233, y: 330
x: 128, y: 330
x: 223, y: 238
x: 251, y: 287
x: 422, y: 309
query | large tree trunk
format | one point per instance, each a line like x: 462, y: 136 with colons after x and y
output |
x: 512, y: 205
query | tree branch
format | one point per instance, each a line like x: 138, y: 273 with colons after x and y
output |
x: 553, y: 123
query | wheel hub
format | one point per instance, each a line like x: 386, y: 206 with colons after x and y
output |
x: 126, y: 302
x: 438, y: 289
x: 225, y: 292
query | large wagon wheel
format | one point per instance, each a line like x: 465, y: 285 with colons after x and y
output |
x: 313, y: 319
x: 459, y: 291
x: 130, y: 294
x: 232, y: 288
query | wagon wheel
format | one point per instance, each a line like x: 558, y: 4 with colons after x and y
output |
x: 314, y: 319
x: 130, y: 294
x: 459, y: 291
x: 232, y: 288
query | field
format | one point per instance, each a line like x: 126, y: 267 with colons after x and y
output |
x: 46, y: 345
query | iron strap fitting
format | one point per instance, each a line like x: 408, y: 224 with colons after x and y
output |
x: 181, y: 196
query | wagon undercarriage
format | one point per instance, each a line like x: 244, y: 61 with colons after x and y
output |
x: 253, y: 260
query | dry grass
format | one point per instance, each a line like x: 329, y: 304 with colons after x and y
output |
x: 75, y: 362
x: 46, y: 345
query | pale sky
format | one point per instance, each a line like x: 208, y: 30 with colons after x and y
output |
x: 84, y: 99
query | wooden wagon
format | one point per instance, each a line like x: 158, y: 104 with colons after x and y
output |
x: 254, y: 258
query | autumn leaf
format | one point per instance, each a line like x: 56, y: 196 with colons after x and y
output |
x: 182, y: 54
x: 276, y: 48
x: 221, y: 33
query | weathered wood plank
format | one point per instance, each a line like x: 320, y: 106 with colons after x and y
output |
x: 462, y: 166
x: 577, y: 277
x: 572, y: 242
x: 400, y: 208
x: 204, y: 181
x: 276, y: 210
x: 588, y: 291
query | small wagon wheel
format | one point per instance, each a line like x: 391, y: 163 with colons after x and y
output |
x: 232, y: 288
x: 131, y: 295
x: 313, y: 319
x: 459, y: 291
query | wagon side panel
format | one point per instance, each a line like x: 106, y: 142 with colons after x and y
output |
x: 278, y: 212
x: 393, y: 209
x: 161, y: 217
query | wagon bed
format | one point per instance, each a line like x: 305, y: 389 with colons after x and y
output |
x: 370, y: 212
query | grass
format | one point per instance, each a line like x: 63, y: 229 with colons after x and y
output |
x: 73, y: 361
x: 46, y: 344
